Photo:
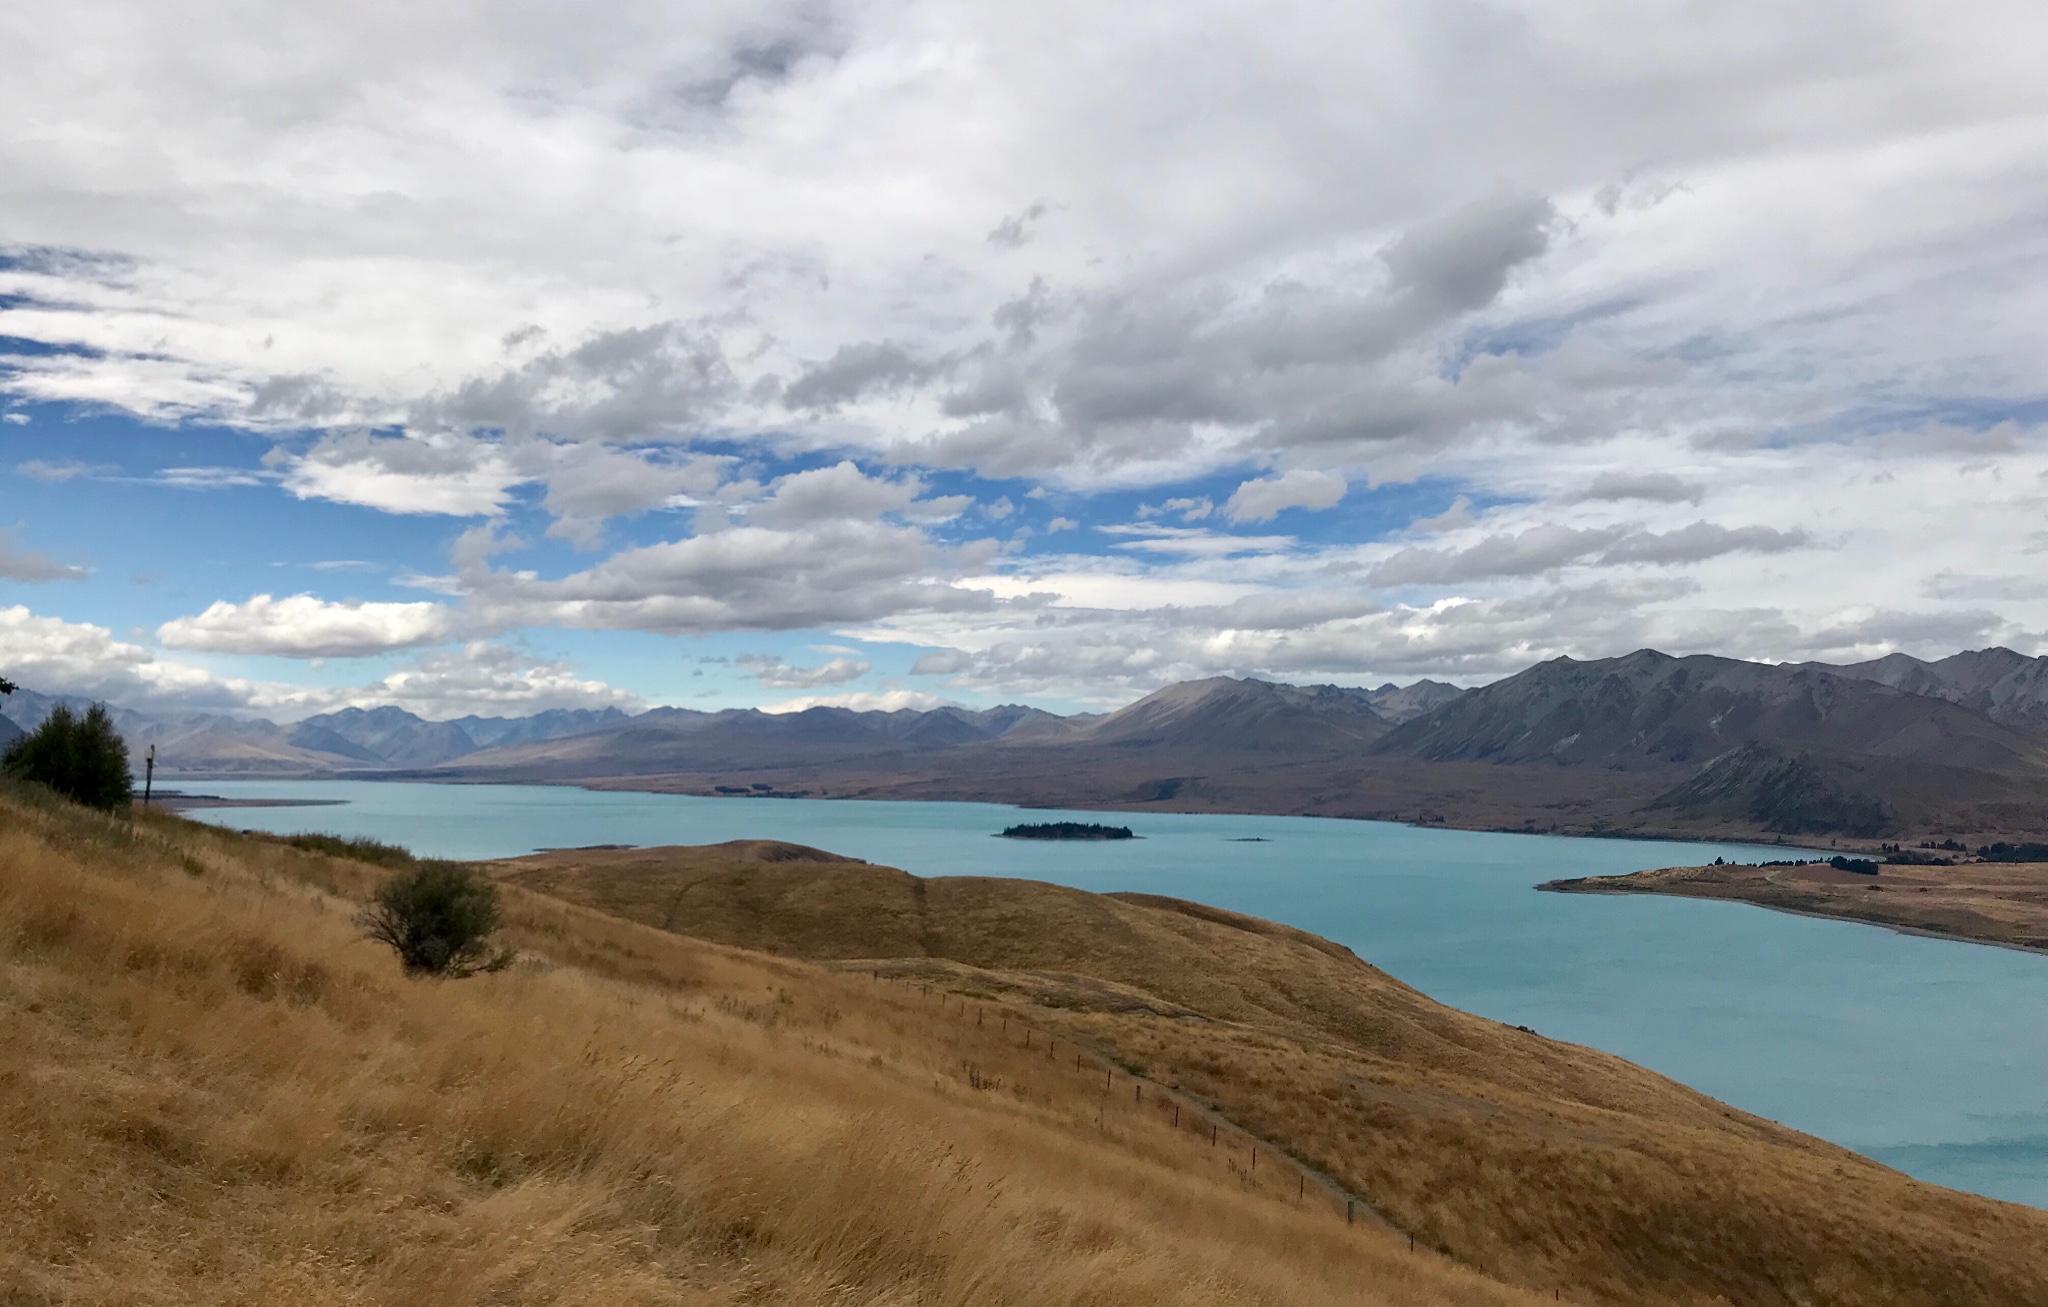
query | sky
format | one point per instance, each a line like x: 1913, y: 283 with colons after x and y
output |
x: 499, y: 358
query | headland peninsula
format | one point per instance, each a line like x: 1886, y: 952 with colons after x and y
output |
x: 1986, y: 902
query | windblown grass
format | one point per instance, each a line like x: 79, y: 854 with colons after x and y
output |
x: 1543, y: 1163
x: 213, y: 1091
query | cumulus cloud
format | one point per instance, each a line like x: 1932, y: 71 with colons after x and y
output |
x: 456, y: 475
x: 830, y: 569
x: 301, y: 626
x: 856, y: 372
x: 841, y: 492
x: 775, y: 674
x: 489, y: 680
x: 1541, y: 549
x: 590, y: 483
x: 617, y: 384
x: 1264, y: 499
x: 1842, y: 223
x: 53, y: 656
x: 18, y: 564
x: 1655, y: 487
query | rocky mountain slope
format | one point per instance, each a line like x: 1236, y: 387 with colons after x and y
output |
x: 1649, y: 709
x: 2005, y: 686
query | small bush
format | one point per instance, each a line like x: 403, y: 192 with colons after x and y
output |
x: 362, y: 848
x: 82, y: 758
x: 438, y: 917
x: 2003, y: 852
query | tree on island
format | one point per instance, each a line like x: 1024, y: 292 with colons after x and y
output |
x: 1067, y: 830
x: 82, y: 758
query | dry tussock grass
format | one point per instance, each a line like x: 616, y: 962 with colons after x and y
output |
x: 213, y: 1091
x: 1543, y: 1163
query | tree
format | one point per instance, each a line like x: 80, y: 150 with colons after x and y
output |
x: 438, y: 918
x: 83, y: 758
x: 6, y: 686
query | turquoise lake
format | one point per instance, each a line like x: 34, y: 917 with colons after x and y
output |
x: 1928, y: 1055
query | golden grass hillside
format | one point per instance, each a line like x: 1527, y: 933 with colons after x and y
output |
x: 213, y: 1091
x: 1543, y: 1164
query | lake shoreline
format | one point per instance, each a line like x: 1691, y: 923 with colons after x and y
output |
x: 1984, y: 903
x: 1920, y: 932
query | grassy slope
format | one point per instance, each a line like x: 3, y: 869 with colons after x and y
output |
x: 1543, y: 1163
x: 213, y: 1091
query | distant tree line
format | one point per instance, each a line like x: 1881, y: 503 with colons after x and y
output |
x: 2003, y: 852
x: 79, y: 755
x: 1067, y: 830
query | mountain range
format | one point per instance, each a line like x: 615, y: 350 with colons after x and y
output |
x: 1645, y: 743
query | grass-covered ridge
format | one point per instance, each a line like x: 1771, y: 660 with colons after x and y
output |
x: 1545, y: 1164
x: 215, y: 1092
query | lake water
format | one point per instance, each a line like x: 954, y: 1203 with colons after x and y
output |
x: 1928, y: 1055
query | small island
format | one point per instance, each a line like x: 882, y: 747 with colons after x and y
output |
x: 1067, y: 830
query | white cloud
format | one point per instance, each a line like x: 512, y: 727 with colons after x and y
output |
x: 1190, y: 509
x: 464, y: 258
x: 1264, y: 499
x: 489, y: 680
x: 1547, y: 548
x: 459, y: 476
x: 841, y: 492
x: 883, y: 701
x: 52, y: 655
x: 741, y: 578
x: 301, y: 626
x: 775, y: 674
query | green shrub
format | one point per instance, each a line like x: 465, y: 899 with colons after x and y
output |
x: 82, y: 758
x: 362, y: 848
x: 438, y: 917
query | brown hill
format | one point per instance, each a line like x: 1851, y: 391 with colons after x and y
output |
x: 1541, y: 1163
x: 214, y: 1091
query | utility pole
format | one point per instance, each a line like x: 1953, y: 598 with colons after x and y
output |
x: 148, y: 774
